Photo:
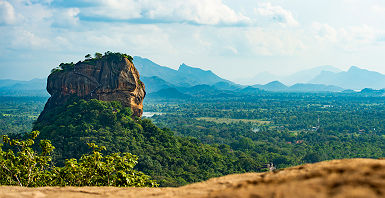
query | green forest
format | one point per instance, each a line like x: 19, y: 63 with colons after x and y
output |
x: 190, y: 140
x: 18, y: 113
x: 286, y: 129
x: 170, y: 160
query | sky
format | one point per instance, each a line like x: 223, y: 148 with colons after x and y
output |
x: 234, y: 39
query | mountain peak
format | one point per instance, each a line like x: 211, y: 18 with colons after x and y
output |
x: 185, y: 75
x: 276, y: 83
x: 185, y: 68
x: 354, y: 68
x: 275, y: 86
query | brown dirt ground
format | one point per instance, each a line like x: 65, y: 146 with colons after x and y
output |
x: 337, y: 178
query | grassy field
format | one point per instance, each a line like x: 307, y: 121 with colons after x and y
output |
x: 229, y: 120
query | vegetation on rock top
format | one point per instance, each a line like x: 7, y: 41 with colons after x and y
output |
x: 110, y: 56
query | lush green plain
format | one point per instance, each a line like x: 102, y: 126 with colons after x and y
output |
x: 18, y: 113
x: 301, y: 127
x: 195, y: 139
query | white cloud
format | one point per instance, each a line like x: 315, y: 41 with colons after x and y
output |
x: 269, y: 42
x: 32, y: 23
x: 115, y: 9
x: 325, y: 32
x: 378, y: 8
x: 205, y: 12
x: 66, y: 17
x: 277, y: 14
x: 7, y: 13
x: 232, y: 33
x: 29, y: 13
x: 350, y: 38
x: 210, y: 12
x: 231, y: 50
x: 25, y: 39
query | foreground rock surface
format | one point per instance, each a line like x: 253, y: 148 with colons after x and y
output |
x: 110, y: 78
x: 338, y: 178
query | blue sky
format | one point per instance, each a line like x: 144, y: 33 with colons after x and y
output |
x: 235, y: 39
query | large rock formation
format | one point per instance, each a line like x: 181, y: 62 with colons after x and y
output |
x: 112, y: 77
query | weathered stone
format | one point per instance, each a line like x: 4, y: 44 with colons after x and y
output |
x: 364, y: 178
x: 107, y: 79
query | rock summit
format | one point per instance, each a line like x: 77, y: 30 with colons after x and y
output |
x: 108, y: 77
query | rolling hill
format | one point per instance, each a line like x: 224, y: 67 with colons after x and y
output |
x: 277, y: 86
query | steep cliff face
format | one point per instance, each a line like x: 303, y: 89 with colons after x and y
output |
x: 112, y: 77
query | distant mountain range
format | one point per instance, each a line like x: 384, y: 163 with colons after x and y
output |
x: 155, y: 83
x: 277, y: 86
x: 355, y: 78
x: 184, y: 76
x: 190, y: 80
x: 34, y: 87
x: 187, y: 81
x: 303, y: 76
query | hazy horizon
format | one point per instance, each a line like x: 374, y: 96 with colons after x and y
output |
x: 234, y: 39
x: 239, y: 81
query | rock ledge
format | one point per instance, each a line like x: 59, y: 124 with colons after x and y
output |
x: 337, y: 178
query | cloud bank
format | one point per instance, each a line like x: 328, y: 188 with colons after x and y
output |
x: 202, y: 12
x: 7, y: 13
x: 224, y: 34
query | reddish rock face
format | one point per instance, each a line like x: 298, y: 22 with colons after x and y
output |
x: 103, y: 79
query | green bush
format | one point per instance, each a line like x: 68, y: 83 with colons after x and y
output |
x: 29, y: 168
x: 26, y: 167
